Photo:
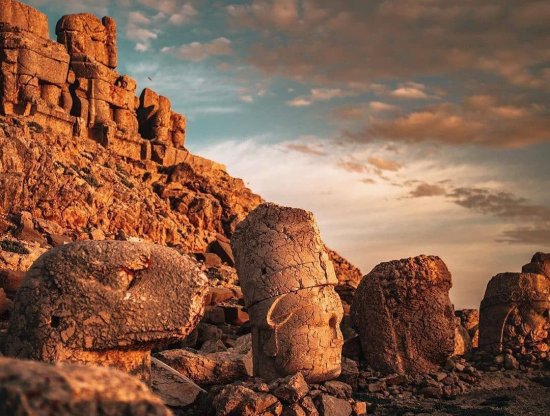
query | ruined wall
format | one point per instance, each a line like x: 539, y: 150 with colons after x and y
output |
x: 72, y: 85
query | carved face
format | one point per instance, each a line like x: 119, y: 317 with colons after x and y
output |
x: 300, y: 331
x: 535, y: 321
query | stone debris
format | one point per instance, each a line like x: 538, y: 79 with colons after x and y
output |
x: 107, y: 302
x: 288, y: 396
x: 404, y: 317
x: 172, y: 387
x: 210, y: 368
x: 30, y: 388
x: 288, y: 283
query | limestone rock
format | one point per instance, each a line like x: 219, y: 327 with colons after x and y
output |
x: 240, y: 400
x: 211, y: 368
x: 105, y: 302
x: 173, y: 388
x: 27, y: 18
x: 31, y: 388
x: 404, y: 316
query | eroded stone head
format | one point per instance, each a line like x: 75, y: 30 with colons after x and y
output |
x: 105, y: 302
x: 404, y: 316
x: 514, y: 313
x: 288, y: 285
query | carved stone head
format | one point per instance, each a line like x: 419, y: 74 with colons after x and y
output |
x: 514, y: 313
x: 288, y: 285
x: 105, y: 303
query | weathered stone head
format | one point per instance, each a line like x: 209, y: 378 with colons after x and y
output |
x: 288, y: 285
x: 540, y: 264
x: 514, y: 313
x: 107, y: 303
x: 87, y: 35
x: 404, y: 316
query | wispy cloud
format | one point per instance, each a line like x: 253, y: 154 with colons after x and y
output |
x: 197, y: 51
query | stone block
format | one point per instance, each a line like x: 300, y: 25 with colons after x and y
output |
x: 24, y: 17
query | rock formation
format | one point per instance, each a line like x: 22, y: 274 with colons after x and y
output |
x: 514, y: 314
x: 72, y: 85
x: 107, y: 303
x: 404, y: 316
x: 39, y: 389
x: 540, y: 264
x: 288, y: 285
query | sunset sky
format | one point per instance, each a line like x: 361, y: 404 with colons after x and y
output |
x: 408, y: 127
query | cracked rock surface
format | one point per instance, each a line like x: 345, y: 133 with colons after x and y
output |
x: 106, y: 302
x: 404, y: 316
x: 288, y: 284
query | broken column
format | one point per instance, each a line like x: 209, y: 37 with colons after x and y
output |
x: 288, y: 285
x: 404, y: 316
x: 106, y: 303
x: 514, y: 314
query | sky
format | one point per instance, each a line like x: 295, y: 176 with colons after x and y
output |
x: 407, y: 126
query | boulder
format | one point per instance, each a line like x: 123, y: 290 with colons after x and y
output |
x: 404, y: 316
x: 172, y: 387
x: 106, y: 303
x: 31, y: 388
x: 240, y: 400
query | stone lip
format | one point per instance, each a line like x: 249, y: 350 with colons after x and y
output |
x: 101, y: 295
x: 278, y: 250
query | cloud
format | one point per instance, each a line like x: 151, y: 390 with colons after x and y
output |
x: 306, y: 148
x: 530, y: 222
x: 480, y: 120
x: 333, y: 42
x: 180, y: 12
x: 384, y: 164
x: 197, y: 51
x: 299, y: 102
x: 137, y: 30
x: 412, y: 91
x: 319, y: 94
x: 426, y: 189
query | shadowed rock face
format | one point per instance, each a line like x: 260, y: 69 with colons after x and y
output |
x: 540, y: 264
x: 106, y: 302
x: 404, y: 316
x: 68, y: 390
x: 288, y: 285
x: 514, y: 313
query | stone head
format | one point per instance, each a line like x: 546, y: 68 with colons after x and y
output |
x: 299, y: 332
x: 97, y: 297
x: 288, y: 285
x: 519, y: 301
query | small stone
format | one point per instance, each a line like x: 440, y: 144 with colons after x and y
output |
x: 332, y: 406
x: 291, y: 388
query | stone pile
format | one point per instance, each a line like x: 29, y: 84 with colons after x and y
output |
x: 404, y: 317
x: 288, y: 284
x: 72, y: 86
x: 287, y: 396
x: 455, y: 377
